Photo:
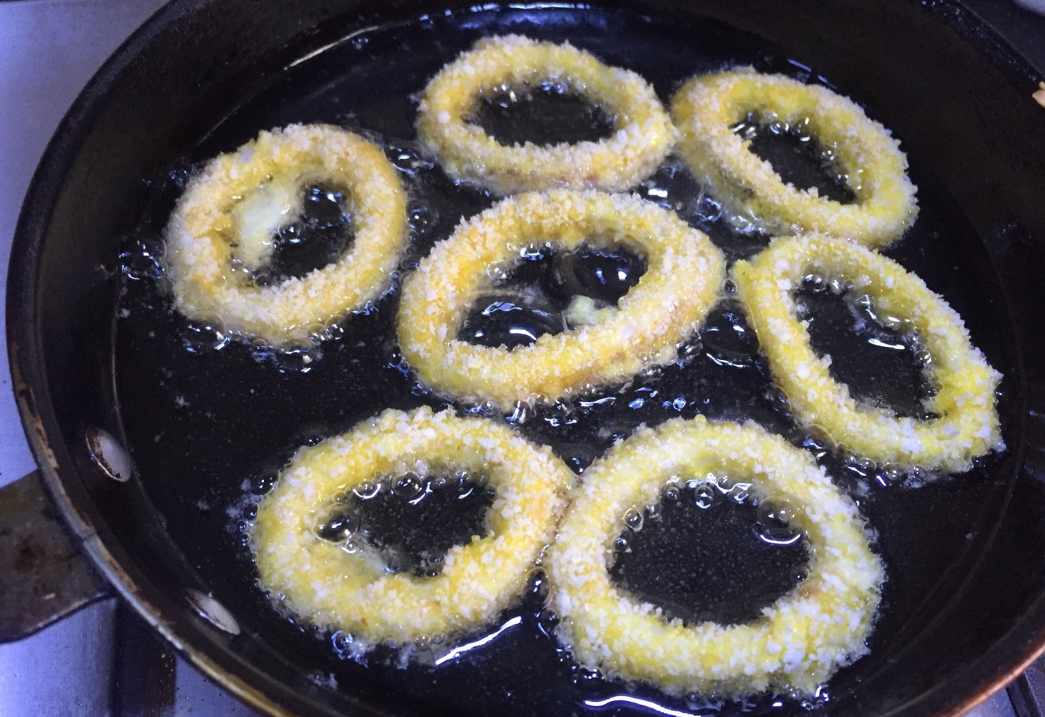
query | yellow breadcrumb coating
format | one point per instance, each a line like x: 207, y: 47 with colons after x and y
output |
x: 330, y: 587
x: 706, y: 108
x: 797, y: 642
x: 684, y: 275
x: 967, y: 419
x: 230, y: 210
x: 642, y: 133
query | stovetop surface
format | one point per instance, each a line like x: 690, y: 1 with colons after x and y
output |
x: 99, y: 662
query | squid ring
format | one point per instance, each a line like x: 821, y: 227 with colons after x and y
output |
x: 683, y: 279
x: 966, y: 425
x: 228, y: 214
x: 796, y: 643
x: 706, y: 108
x: 330, y: 587
x: 642, y: 132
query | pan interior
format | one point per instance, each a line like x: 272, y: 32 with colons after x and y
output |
x: 221, y: 416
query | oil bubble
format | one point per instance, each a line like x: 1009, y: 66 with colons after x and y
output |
x: 698, y: 702
x: 814, y: 283
x: 774, y: 523
x: 200, y: 339
x: 585, y: 676
x: 539, y: 585
x: 367, y: 490
x: 704, y: 496
x: 815, y: 442
x: 262, y: 484
x: 727, y: 338
x: 690, y: 350
x: 408, y: 486
x: 422, y: 219
x: 737, y: 492
x: 547, y: 621
x: 498, y: 271
x: 521, y: 413
x: 578, y: 456
x: 860, y: 465
x: 818, y: 699
x: 407, y: 160
x: 892, y: 474
x: 336, y: 524
x: 342, y: 641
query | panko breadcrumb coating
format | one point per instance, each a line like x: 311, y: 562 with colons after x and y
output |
x: 641, y: 136
x: 229, y: 212
x: 331, y: 587
x: 966, y: 423
x: 684, y: 276
x: 706, y: 109
x: 796, y: 644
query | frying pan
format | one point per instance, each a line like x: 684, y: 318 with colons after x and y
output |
x: 203, y: 76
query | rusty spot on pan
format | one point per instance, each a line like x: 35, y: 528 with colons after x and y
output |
x: 46, y: 577
x: 110, y: 455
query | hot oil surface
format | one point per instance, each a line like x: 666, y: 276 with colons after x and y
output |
x: 219, y: 417
x: 797, y: 156
x: 709, y: 552
x: 321, y: 235
x: 884, y: 367
x: 534, y: 298
x: 412, y: 521
x: 548, y: 113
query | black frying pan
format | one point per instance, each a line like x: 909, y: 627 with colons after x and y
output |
x: 963, y: 609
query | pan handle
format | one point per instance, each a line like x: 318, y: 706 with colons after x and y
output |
x: 43, y: 578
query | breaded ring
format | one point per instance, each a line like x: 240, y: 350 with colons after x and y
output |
x: 797, y: 642
x: 642, y: 132
x: 967, y: 419
x: 705, y: 110
x: 330, y: 587
x: 258, y: 184
x: 684, y: 276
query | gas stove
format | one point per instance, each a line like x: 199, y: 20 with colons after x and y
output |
x: 103, y: 661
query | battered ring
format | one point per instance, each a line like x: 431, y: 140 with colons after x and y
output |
x: 642, y: 133
x: 202, y: 256
x: 684, y: 275
x: 967, y: 424
x: 319, y: 581
x: 797, y: 642
x: 706, y: 108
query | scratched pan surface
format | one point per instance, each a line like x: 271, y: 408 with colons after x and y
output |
x: 209, y: 420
